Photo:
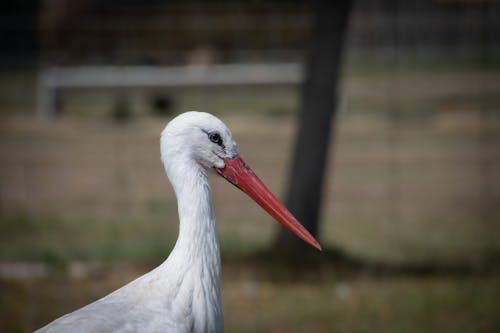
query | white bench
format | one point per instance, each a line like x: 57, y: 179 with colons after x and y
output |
x: 54, y: 80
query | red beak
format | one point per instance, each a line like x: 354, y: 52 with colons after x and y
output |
x: 242, y: 176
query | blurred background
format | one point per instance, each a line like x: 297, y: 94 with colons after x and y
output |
x: 410, y: 199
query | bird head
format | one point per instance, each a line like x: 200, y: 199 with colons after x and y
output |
x: 199, y: 136
x: 202, y: 139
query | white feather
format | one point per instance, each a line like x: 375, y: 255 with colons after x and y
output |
x: 183, y: 293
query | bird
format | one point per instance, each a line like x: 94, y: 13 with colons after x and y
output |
x: 182, y: 294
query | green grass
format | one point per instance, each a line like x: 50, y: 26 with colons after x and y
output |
x: 59, y: 240
x: 366, y: 305
x: 331, y: 303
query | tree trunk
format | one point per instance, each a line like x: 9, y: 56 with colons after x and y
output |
x: 316, y: 117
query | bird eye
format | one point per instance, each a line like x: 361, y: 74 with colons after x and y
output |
x: 215, y: 138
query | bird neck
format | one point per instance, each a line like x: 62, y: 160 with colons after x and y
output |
x: 197, y: 224
x: 194, y: 264
x: 197, y: 246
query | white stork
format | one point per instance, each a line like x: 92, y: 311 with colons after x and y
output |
x: 183, y: 293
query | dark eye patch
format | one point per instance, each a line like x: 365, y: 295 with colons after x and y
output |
x: 216, y: 138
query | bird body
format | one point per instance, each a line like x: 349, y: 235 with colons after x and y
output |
x: 182, y: 295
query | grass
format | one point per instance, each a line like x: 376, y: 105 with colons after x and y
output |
x: 418, y: 186
x: 42, y: 239
x: 365, y: 305
x: 333, y: 303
